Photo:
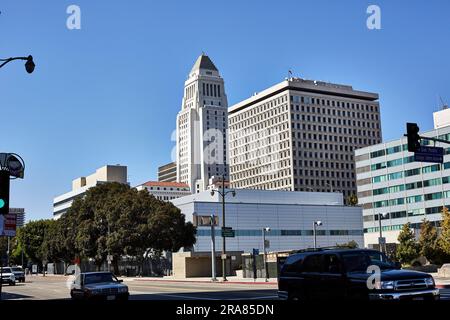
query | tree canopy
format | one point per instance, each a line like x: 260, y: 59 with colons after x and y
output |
x: 110, y: 219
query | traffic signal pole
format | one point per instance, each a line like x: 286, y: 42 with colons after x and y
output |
x: 4, y: 192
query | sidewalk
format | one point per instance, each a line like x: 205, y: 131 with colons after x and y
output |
x: 230, y: 280
x: 441, y: 283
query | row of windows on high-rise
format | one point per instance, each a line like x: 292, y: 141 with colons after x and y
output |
x: 341, y: 122
x: 405, y: 187
x: 334, y: 112
x: 407, y: 200
x: 262, y: 111
x: 322, y: 173
x: 313, y: 182
x: 405, y: 213
x: 331, y: 138
x: 334, y: 103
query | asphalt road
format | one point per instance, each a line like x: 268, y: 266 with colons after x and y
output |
x: 40, y: 288
x: 50, y: 288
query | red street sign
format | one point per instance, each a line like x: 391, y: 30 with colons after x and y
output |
x: 9, y: 224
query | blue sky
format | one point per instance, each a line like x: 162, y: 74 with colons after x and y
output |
x: 109, y: 93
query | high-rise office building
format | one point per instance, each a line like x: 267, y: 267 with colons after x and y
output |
x: 168, y: 172
x: 202, y: 127
x: 300, y: 135
x: 395, y: 188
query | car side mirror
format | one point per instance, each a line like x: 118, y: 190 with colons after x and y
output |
x: 120, y: 280
x: 397, y: 265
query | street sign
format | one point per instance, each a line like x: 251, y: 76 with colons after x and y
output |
x: 109, y: 258
x: 8, y: 225
x: 382, y: 240
x: 223, y: 257
x: 429, y: 154
x: 255, y: 252
x: 228, y: 232
x: 267, y: 243
x: 205, y: 221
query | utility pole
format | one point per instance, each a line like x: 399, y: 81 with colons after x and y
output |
x: 224, y: 252
x: 266, y: 269
x: 213, y: 249
x: 223, y: 193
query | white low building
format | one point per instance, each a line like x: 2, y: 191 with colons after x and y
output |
x: 165, y: 191
x: 289, y: 215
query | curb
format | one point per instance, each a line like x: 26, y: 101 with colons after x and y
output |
x: 199, y: 281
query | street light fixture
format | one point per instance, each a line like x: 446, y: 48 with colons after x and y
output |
x: 223, y: 193
x: 264, y: 230
x: 317, y: 223
x: 381, y: 240
x: 29, y: 64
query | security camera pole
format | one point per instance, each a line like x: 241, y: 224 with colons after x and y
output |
x: 223, y: 193
x: 316, y: 224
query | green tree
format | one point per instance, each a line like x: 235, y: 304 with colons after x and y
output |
x: 351, y: 244
x: 444, y: 236
x: 114, y: 219
x: 352, y: 200
x: 428, y: 241
x: 407, y: 249
x: 32, y: 238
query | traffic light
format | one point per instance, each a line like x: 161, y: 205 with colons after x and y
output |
x: 412, y: 132
x: 4, y: 192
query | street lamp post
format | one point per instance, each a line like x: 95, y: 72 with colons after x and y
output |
x: 316, y: 224
x: 223, y: 193
x: 264, y: 230
x: 381, y: 241
x: 29, y: 64
x: 213, y: 249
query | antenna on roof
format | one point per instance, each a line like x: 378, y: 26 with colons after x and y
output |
x: 289, y: 74
x: 443, y: 104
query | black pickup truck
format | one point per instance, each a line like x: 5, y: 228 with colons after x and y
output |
x: 361, y: 274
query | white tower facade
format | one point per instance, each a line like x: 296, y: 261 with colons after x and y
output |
x: 202, y: 127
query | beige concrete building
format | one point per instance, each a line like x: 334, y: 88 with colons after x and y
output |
x: 108, y: 173
x: 168, y: 172
x: 300, y: 135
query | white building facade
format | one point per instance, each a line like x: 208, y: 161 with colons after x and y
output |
x: 391, y: 183
x: 202, y: 127
x: 290, y: 215
x: 108, y: 173
x: 165, y: 191
x: 300, y: 135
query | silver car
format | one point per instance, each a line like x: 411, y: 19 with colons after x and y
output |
x: 8, y: 276
x: 98, y: 285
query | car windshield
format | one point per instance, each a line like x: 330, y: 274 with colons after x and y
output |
x: 17, y: 269
x: 360, y: 261
x: 98, y: 278
x: 6, y: 270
